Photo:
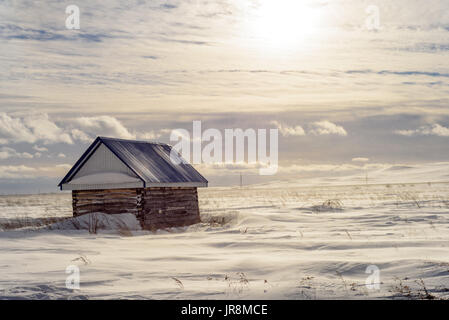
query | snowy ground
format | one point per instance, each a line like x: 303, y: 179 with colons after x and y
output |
x: 273, y: 241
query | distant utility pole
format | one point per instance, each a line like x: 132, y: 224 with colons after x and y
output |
x: 241, y: 180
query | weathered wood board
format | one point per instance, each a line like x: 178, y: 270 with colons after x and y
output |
x: 156, y: 208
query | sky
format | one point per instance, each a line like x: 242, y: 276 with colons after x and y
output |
x: 345, y: 96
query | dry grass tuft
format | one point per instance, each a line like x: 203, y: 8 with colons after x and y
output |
x: 328, y: 205
x: 237, y: 286
x: 83, y: 259
x: 178, y: 282
x: 27, y: 222
x: 221, y: 220
x: 410, y: 291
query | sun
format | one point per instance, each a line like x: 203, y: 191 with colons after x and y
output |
x: 284, y: 23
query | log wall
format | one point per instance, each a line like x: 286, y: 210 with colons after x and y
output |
x: 154, y: 207
x: 110, y: 201
x: 168, y: 207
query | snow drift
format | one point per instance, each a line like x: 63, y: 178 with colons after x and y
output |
x: 99, y: 221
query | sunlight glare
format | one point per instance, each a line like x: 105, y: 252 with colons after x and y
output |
x: 284, y: 23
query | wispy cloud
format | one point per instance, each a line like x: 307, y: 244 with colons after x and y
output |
x: 6, y: 153
x: 28, y: 172
x: 11, y: 32
x: 401, y: 73
x: 318, y: 128
x: 17, y: 172
x: 40, y: 149
x: 360, y: 159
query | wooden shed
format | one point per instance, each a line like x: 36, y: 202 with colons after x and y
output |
x: 126, y: 176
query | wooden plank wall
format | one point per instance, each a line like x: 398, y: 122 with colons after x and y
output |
x: 111, y: 201
x: 154, y: 207
x: 169, y: 207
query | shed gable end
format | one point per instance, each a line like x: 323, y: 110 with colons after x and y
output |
x: 103, y: 169
x: 103, y: 161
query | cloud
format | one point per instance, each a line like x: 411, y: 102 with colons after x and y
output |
x: 183, y: 41
x: 14, y: 129
x: 31, y: 128
x: 80, y: 135
x: 40, y: 128
x: 87, y: 128
x: 17, y: 172
x: 317, y: 128
x: 6, y: 153
x: 168, y: 6
x: 61, y: 155
x: 427, y: 130
x: 40, y: 149
x: 401, y: 73
x: 46, y: 130
x: 360, y: 159
x: 13, y: 31
x: 286, y: 130
x: 28, y: 172
x: 151, y: 135
x: 103, y: 125
x: 332, y: 168
x: 327, y: 128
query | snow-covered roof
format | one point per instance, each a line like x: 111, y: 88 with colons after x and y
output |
x: 118, y: 163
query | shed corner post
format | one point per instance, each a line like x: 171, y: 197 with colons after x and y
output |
x: 74, y: 203
x: 140, y: 201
